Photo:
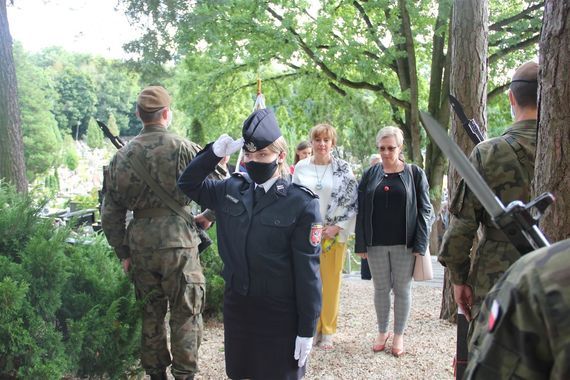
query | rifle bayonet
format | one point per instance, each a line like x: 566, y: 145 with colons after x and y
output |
x: 470, y: 125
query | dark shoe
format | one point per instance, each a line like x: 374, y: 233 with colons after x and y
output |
x: 188, y: 377
x: 159, y: 376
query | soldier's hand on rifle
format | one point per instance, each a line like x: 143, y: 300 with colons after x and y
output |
x: 463, y: 295
x: 202, y: 221
x: 226, y: 145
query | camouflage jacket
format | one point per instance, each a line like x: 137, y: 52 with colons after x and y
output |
x: 523, y: 330
x: 506, y: 163
x: 165, y: 155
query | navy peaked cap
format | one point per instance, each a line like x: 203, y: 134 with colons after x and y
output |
x: 260, y: 129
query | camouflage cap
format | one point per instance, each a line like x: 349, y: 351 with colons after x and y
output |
x: 260, y: 129
x: 526, y: 73
x: 153, y: 98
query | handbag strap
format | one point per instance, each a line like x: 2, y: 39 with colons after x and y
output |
x: 159, y: 190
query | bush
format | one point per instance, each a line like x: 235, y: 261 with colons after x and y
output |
x: 64, y: 309
x: 212, y: 265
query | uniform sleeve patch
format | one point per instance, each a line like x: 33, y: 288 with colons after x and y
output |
x: 494, y: 316
x: 316, y: 234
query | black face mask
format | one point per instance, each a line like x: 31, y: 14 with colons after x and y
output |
x: 260, y: 172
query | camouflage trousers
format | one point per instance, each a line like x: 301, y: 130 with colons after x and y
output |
x: 170, y: 278
x: 491, y: 261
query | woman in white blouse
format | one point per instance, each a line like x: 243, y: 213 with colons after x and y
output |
x: 333, y: 181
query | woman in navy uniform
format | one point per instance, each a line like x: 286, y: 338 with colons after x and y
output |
x: 269, y: 233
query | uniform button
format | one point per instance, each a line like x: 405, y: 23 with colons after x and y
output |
x: 277, y: 222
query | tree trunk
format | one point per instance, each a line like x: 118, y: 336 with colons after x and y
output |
x: 412, y: 117
x: 552, y: 166
x: 12, y: 164
x: 438, y: 106
x: 469, y: 85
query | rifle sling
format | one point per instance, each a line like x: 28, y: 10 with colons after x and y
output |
x: 159, y: 190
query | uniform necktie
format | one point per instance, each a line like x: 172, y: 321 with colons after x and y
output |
x: 259, y: 192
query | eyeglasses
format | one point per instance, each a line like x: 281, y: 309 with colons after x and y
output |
x: 388, y: 148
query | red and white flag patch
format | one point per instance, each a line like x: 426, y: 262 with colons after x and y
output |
x: 316, y: 234
x: 494, y: 316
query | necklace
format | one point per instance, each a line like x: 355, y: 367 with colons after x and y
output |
x: 320, y: 180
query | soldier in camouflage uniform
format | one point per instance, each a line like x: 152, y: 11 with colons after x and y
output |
x: 158, y: 247
x: 506, y: 163
x: 523, y: 330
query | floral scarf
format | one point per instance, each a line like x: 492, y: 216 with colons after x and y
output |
x: 344, y: 195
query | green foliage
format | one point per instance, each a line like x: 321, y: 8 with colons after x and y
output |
x: 42, y: 138
x: 197, y: 132
x: 76, y: 101
x: 86, y: 201
x: 112, y: 124
x: 95, y: 137
x: 64, y: 309
x: 212, y: 266
x: 89, y: 86
x: 320, y: 61
x: 70, y: 155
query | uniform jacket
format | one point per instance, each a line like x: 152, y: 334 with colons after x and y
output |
x: 165, y: 155
x: 419, y: 214
x: 523, y: 331
x: 506, y: 163
x: 266, y: 249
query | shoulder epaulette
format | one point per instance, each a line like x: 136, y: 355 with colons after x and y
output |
x: 241, y: 175
x: 307, y: 190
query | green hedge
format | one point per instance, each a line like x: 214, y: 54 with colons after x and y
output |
x: 68, y: 309
x: 212, y: 265
x: 65, y: 309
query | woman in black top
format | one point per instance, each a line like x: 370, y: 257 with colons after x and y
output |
x: 392, y: 228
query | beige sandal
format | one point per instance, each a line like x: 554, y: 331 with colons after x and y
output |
x: 326, y: 342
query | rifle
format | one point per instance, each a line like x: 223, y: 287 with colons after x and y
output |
x: 515, y: 220
x: 116, y: 140
x: 470, y: 125
x: 205, y: 240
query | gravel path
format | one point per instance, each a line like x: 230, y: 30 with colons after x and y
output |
x: 429, y: 341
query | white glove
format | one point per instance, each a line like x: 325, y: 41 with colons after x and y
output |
x: 225, y: 145
x: 303, y: 347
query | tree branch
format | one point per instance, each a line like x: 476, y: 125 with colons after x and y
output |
x: 524, y: 14
x: 379, y: 87
x: 497, y: 91
x: 501, y: 53
x: 373, y: 34
x: 337, y: 89
x: 369, y: 25
x: 271, y: 79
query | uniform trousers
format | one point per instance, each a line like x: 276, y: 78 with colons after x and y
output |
x: 332, y: 261
x: 392, y: 267
x: 170, y: 277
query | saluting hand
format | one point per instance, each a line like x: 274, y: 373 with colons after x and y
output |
x: 225, y: 145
